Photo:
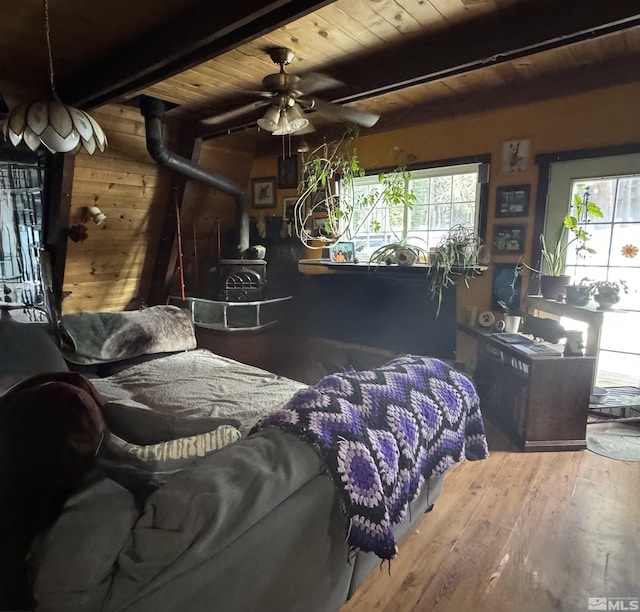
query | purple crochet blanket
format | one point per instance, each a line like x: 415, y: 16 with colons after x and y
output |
x: 381, y: 433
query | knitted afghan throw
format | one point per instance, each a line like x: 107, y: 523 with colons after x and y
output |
x: 381, y: 433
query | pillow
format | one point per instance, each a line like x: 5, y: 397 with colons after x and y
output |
x: 73, y: 562
x: 26, y: 349
x: 90, y: 338
x: 142, y: 469
x: 145, y: 426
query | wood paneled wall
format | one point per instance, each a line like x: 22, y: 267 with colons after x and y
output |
x: 112, y: 268
x: 113, y: 265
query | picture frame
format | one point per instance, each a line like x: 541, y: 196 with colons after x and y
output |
x: 513, y: 201
x: 288, y: 172
x: 263, y: 192
x: 289, y: 207
x: 509, y: 239
x: 342, y: 252
x: 503, y: 287
x: 515, y: 155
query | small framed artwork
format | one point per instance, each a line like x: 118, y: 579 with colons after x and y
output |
x: 513, y: 201
x: 509, y: 239
x: 506, y: 286
x: 263, y: 192
x: 515, y: 156
x: 289, y: 208
x: 342, y: 252
x: 288, y: 172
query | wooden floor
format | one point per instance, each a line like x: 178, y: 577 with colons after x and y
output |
x: 526, y: 532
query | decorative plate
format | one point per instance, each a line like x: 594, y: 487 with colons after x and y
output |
x: 486, y: 318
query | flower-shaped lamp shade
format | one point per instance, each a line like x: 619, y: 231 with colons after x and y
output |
x: 296, y: 119
x: 281, y: 121
x: 270, y: 120
x: 58, y: 127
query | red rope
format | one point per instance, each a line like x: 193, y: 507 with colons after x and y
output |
x: 179, y: 249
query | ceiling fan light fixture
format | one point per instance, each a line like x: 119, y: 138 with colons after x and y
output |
x: 270, y: 120
x: 297, y: 121
x: 60, y: 128
x: 283, y: 125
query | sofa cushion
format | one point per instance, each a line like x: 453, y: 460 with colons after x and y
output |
x: 27, y: 349
x: 73, y: 562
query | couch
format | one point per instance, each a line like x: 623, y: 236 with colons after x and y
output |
x: 258, y: 524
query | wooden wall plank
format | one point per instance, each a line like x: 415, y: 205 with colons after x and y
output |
x: 127, y: 186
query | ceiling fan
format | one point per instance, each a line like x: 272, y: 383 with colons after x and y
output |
x: 287, y: 99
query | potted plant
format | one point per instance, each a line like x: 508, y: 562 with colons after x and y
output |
x: 326, y: 191
x: 401, y: 253
x: 553, y: 281
x: 607, y: 293
x: 455, y: 258
x: 580, y: 294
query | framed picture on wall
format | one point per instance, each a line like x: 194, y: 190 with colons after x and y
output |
x: 515, y: 156
x: 288, y: 172
x: 263, y: 192
x: 509, y: 239
x: 513, y: 201
x: 506, y: 286
x: 289, y: 207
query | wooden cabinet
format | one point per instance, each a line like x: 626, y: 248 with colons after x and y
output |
x: 541, y: 401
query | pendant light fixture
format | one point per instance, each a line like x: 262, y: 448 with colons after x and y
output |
x: 60, y: 128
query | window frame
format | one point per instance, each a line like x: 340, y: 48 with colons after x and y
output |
x: 429, y: 169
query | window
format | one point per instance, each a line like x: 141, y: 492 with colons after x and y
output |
x: 21, y: 220
x: 445, y: 197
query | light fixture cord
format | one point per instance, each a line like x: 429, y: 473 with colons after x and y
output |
x: 47, y: 32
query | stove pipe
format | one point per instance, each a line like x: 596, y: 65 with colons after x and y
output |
x: 153, y: 111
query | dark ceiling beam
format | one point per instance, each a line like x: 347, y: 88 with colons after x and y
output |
x: 546, y: 87
x: 494, y: 38
x: 569, y: 82
x: 198, y: 34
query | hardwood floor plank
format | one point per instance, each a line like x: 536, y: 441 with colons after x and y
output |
x: 532, y: 532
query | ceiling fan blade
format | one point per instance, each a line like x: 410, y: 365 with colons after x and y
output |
x: 316, y: 81
x: 340, y: 112
x: 235, y: 113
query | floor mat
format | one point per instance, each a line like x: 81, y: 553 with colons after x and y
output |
x: 615, y: 440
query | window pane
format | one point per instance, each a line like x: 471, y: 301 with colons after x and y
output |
x: 420, y: 188
x: 463, y: 214
x: 418, y: 217
x: 600, y: 240
x: 464, y: 187
x: 441, y: 189
x: 627, y: 208
x: 440, y: 217
x: 625, y: 235
x: 602, y: 192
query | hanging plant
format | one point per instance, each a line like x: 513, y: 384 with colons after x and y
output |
x: 327, y: 198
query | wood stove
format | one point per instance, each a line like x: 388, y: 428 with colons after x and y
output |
x: 242, y: 280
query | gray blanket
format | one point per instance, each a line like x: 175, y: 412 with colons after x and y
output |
x: 200, y: 384
x: 100, y: 337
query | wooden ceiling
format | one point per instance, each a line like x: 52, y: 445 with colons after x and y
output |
x: 407, y: 60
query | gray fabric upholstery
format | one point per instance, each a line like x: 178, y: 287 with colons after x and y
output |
x: 256, y: 526
x: 74, y: 561
x: 26, y: 349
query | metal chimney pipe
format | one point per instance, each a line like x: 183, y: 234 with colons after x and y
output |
x: 153, y: 111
